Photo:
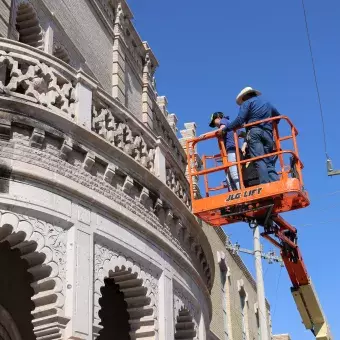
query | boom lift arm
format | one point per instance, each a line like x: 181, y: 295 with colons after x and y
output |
x: 303, y: 291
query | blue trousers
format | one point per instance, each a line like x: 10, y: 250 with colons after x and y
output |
x: 260, y: 142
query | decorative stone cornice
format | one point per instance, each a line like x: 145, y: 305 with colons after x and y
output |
x: 121, y: 202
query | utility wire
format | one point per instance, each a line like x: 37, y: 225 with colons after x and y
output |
x: 277, y: 290
x: 315, y: 78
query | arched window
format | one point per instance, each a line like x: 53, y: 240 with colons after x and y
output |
x: 126, y: 311
x: 28, y: 27
x: 61, y: 53
x: 185, y: 326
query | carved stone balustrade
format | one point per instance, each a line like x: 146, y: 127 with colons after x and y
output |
x: 38, y: 78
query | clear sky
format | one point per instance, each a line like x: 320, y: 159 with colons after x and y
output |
x: 208, y: 51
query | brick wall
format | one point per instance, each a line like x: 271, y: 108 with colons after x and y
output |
x: 133, y: 92
x: 236, y: 273
x: 83, y: 26
x: 5, y: 6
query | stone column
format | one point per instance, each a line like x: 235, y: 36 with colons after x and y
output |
x: 79, y: 278
x: 188, y: 133
x: 147, y: 94
x: 118, y: 58
x: 83, y: 107
x: 160, y: 164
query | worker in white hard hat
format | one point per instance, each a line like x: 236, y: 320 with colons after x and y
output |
x: 253, y: 108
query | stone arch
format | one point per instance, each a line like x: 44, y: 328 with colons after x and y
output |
x: 139, y: 288
x: 35, y: 245
x: 186, y: 314
x: 185, y: 325
x: 28, y: 26
x: 61, y: 52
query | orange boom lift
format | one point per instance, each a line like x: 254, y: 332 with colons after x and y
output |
x: 261, y: 204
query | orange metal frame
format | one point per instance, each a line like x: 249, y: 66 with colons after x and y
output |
x: 263, y: 202
x: 286, y: 194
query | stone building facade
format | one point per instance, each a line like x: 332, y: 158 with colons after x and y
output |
x: 94, y: 207
x: 282, y: 337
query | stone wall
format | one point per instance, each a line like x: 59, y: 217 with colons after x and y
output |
x: 238, y: 281
x: 81, y: 24
x: 282, y: 337
x: 76, y: 158
x: 5, y: 11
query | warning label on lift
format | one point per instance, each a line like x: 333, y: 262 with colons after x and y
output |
x: 248, y: 193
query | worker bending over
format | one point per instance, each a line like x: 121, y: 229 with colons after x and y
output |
x: 218, y: 120
x: 259, y: 138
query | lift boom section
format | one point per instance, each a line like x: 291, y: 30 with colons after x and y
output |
x: 261, y: 204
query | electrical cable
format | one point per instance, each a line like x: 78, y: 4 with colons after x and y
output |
x: 277, y: 289
x: 315, y: 79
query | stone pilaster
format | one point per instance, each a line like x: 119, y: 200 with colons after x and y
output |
x: 166, y: 306
x: 83, y: 107
x: 162, y: 102
x: 149, y: 96
x: 160, y: 163
x: 118, y: 58
x: 79, y: 282
x: 147, y: 114
x: 188, y: 133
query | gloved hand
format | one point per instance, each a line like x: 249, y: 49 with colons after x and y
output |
x: 244, y: 148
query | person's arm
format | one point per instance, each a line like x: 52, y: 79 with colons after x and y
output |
x: 222, y: 129
x: 275, y: 113
x: 241, y: 118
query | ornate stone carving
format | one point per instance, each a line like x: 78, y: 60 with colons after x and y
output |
x: 141, y: 207
x: 112, y: 264
x: 38, y: 83
x: 176, y: 186
x: 61, y: 52
x: 120, y: 135
x: 41, y: 237
x: 182, y: 300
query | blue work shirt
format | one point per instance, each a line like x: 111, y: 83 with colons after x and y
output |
x: 228, y: 135
x: 253, y: 110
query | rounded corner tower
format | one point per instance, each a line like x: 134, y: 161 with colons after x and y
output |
x: 96, y: 233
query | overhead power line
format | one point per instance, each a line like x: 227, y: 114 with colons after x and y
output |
x: 315, y: 78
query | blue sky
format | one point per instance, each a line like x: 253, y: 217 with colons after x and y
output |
x: 208, y: 51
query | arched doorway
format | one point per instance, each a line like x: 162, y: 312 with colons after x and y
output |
x: 113, y: 313
x: 16, y: 294
x: 185, y: 326
x: 126, y: 310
